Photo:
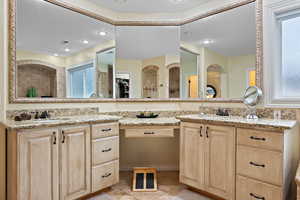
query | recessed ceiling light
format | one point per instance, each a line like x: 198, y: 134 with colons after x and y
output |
x: 207, y: 41
x: 55, y: 54
x: 67, y: 49
x: 121, y: 1
x: 177, y: 1
x: 102, y: 33
x: 85, y: 42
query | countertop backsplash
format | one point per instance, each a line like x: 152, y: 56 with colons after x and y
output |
x: 286, y: 114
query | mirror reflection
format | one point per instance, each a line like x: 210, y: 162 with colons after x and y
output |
x: 60, y: 54
x: 189, y: 74
x: 147, y: 62
x: 225, y: 43
x: 65, y: 54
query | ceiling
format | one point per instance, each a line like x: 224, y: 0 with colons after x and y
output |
x: 42, y: 27
x: 232, y: 33
x: 142, y: 42
x: 149, y: 6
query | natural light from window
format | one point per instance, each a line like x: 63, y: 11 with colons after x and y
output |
x: 290, y: 71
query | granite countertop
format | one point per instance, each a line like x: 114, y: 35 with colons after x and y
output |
x: 161, y: 121
x: 239, y: 121
x: 10, y: 124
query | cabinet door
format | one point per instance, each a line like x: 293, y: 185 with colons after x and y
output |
x: 38, y: 171
x: 192, y: 154
x: 220, y: 161
x: 75, y: 162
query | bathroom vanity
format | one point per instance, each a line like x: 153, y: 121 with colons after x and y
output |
x: 227, y: 157
x: 64, y: 159
x: 236, y: 158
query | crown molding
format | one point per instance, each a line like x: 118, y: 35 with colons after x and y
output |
x: 149, y: 19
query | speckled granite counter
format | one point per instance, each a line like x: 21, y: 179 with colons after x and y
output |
x: 161, y: 121
x: 61, y: 121
x: 239, y: 121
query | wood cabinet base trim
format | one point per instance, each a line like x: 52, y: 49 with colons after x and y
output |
x: 88, y: 196
x: 207, y: 194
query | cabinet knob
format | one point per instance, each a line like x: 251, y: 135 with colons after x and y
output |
x: 106, y: 129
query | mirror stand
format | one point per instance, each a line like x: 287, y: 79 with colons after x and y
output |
x: 251, y: 113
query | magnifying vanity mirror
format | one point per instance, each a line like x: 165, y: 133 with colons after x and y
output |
x: 252, y: 98
x: 65, y: 55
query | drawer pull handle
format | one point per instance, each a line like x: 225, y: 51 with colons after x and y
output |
x: 106, y: 150
x: 54, y: 137
x: 64, y: 137
x: 207, y: 132
x: 106, y: 175
x: 106, y: 129
x: 256, y: 165
x: 257, y: 138
x: 149, y: 133
x: 257, y: 197
x: 201, y: 131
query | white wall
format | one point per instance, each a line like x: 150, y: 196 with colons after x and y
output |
x: 134, y: 68
x: 237, y: 67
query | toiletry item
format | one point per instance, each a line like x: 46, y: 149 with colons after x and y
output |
x: 31, y: 92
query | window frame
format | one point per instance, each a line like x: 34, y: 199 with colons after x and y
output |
x: 274, y: 14
x: 76, y: 67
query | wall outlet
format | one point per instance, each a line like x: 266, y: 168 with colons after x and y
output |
x: 277, y: 114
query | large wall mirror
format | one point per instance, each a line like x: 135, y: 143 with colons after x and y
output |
x: 62, y: 54
x: 226, y: 48
x: 145, y: 54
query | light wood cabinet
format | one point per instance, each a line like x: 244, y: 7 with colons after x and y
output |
x: 266, y: 164
x: 75, y: 162
x: 207, y: 158
x: 192, y: 151
x: 105, y: 156
x: 38, y: 176
x: 220, y: 160
x: 49, y: 163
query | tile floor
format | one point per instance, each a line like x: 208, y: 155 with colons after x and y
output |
x: 168, y: 184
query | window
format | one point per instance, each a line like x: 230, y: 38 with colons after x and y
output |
x: 282, y: 53
x: 290, y: 56
x: 82, y: 81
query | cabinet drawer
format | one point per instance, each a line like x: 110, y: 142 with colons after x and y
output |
x: 248, y: 189
x: 261, y: 139
x: 149, y: 132
x: 105, y: 130
x: 105, y: 149
x: 105, y: 175
x: 260, y: 164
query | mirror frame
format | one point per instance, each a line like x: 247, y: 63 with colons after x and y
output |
x: 12, y: 67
